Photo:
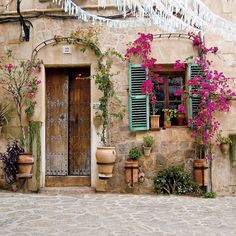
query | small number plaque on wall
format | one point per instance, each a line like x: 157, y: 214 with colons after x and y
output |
x: 67, y: 49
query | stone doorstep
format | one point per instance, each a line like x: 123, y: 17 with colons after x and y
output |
x: 67, y: 190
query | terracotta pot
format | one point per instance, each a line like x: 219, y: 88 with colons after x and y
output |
x: 155, y: 120
x: 147, y: 151
x: 200, y: 172
x: 224, y: 147
x: 167, y: 123
x: 25, y: 164
x: 106, y: 157
x: 131, y: 171
x: 97, y: 121
x: 180, y: 117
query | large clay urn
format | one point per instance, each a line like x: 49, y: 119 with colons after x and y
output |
x: 106, y: 157
x: 25, y: 164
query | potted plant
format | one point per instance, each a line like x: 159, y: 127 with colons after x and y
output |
x: 106, y: 154
x: 10, y: 159
x: 180, y: 115
x: 224, y: 142
x: 131, y: 165
x: 154, y: 119
x: 148, y: 141
x: 21, y: 82
x: 97, y: 119
x: 4, y: 115
x: 168, y: 115
x: 200, y: 164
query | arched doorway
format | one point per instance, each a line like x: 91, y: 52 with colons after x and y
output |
x: 69, y: 138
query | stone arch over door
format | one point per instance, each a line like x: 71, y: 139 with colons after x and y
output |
x: 53, y: 57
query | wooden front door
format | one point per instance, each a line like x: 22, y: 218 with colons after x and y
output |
x: 68, y: 122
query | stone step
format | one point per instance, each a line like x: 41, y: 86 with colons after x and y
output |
x: 67, y: 190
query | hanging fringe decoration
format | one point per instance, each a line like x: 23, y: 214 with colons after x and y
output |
x: 169, y: 15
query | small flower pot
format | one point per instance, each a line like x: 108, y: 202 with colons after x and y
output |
x: 155, y: 120
x: 147, y: 151
x: 180, y: 118
x: 224, y: 148
x: 167, y: 123
x: 97, y: 121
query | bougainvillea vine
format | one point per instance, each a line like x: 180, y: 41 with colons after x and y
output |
x: 211, y: 86
x: 141, y: 47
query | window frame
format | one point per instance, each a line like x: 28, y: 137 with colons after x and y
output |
x: 192, y: 101
x: 168, y: 70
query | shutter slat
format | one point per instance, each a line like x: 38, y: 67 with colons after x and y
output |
x: 194, y: 99
x: 138, y: 103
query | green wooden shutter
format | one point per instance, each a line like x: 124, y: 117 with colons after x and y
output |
x: 138, y: 102
x: 194, y: 99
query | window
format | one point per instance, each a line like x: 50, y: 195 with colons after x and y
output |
x: 139, y: 107
x: 169, y: 95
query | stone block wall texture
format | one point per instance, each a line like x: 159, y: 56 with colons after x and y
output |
x: 172, y: 146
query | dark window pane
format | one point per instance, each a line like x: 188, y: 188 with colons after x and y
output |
x: 159, y: 107
x: 175, y: 87
x: 160, y: 93
x: 174, y: 105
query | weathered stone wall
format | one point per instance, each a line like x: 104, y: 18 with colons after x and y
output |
x: 172, y: 146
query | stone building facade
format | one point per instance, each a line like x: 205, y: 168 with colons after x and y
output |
x: 173, y: 146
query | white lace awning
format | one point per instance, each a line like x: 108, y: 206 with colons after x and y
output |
x: 169, y: 15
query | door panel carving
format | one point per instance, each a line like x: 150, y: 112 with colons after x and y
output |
x: 67, y: 123
x: 79, y: 126
x: 57, y: 123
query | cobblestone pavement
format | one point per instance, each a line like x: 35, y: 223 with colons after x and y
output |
x: 110, y: 215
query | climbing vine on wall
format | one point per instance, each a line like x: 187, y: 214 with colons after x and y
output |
x: 35, y: 138
x: 103, y: 76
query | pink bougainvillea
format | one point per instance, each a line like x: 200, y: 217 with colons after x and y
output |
x: 179, y: 65
x: 214, y: 90
x: 147, y: 86
x: 158, y: 78
x: 178, y: 92
x: 142, y: 47
x: 181, y: 108
x: 211, y: 86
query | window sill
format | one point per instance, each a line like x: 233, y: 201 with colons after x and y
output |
x: 172, y: 127
x: 178, y: 126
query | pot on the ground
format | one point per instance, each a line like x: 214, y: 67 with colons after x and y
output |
x: 200, y: 167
